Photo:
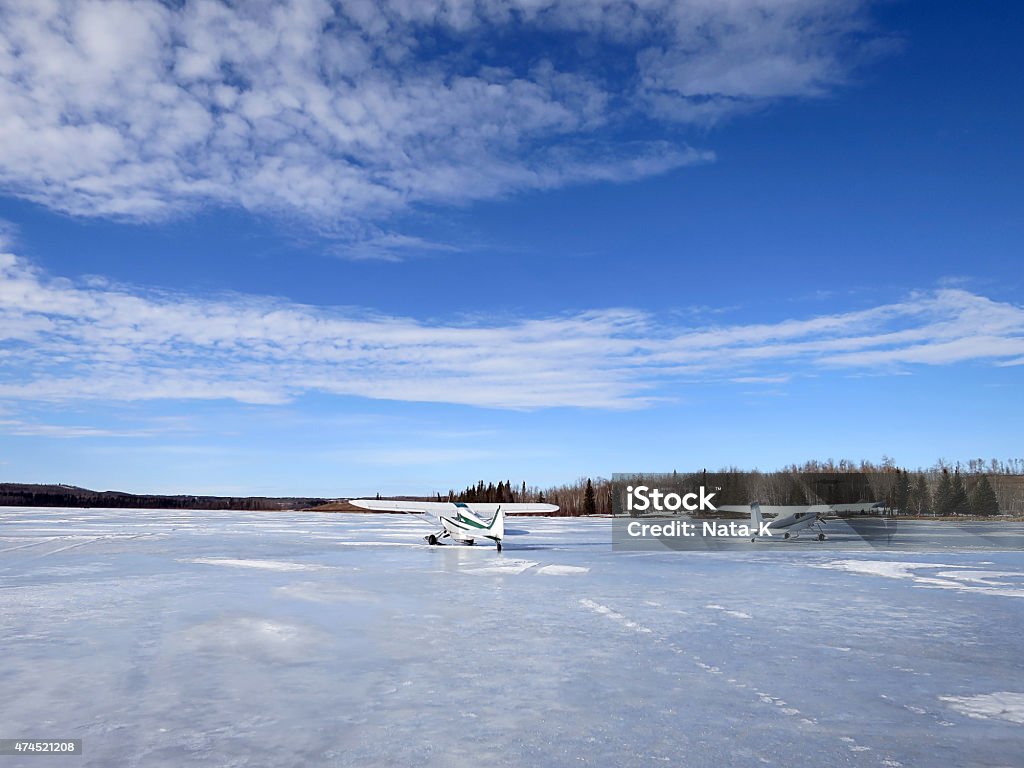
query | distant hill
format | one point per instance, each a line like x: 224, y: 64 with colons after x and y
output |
x: 30, y: 495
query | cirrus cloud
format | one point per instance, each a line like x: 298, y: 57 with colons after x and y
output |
x: 344, y: 112
x: 62, y: 341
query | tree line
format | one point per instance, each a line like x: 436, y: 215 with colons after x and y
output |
x: 976, y: 487
x: 954, y: 494
x: 573, y: 499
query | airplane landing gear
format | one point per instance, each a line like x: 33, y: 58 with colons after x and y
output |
x: 821, y: 537
x: 499, y: 545
x: 432, y: 540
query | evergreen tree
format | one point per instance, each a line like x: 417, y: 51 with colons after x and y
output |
x: 944, y: 494
x: 984, y: 501
x: 921, y: 499
x: 589, y: 502
x: 958, y: 503
x: 901, y: 493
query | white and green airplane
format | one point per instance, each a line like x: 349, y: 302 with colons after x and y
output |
x: 464, y: 523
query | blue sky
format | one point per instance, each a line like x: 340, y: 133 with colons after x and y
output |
x: 304, y: 248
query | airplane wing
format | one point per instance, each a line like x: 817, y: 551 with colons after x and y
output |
x: 434, y: 509
x: 429, y: 509
x: 738, y: 509
x: 487, y: 509
x: 778, y: 510
x: 859, y: 507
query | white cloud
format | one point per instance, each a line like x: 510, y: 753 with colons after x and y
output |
x: 62, y: 342
x: 30, y: 429
x: 8, y: 234
x: 340, y: 112
x: 762, y: 379
x: 388, y: 246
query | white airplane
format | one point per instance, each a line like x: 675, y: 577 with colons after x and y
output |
x: 790, y: 520
x: 462, y: 522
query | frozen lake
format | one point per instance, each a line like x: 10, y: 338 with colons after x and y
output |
x: 168, y: 638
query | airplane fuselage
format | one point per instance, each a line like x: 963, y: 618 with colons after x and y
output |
x: 464, y: 528
x: 792, y: 524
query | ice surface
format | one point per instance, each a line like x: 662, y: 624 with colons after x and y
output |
x: 170, y: 638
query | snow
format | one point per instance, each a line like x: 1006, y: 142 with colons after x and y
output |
x: 1005, y: 705
x: 170, y: 638
x: 727, y: 612
x: 562, y: 570
x: 269, y: 565
x: 932, y: 576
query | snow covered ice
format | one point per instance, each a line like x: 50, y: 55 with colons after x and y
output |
x: 170, y: 638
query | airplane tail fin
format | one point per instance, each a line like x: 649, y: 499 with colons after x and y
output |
x: 755, y: 514
x: 496, y: 528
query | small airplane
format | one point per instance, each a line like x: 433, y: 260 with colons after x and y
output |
x: 460, y: 521
x: 790, y: 520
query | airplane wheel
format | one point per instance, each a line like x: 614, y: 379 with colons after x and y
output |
x: 431, y: 539
x: 821, y: 537
x: 499, y: 546
x: 786, y: 536
x: 753, y: 540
